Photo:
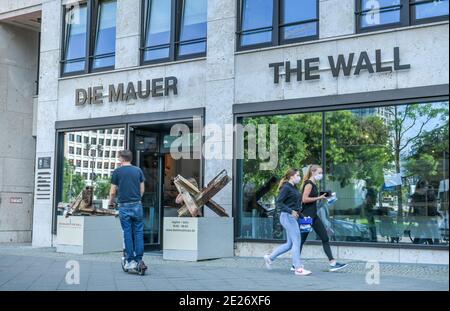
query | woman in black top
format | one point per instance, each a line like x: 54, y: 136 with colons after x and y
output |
x: 288, y: 201
x: 309, y: 204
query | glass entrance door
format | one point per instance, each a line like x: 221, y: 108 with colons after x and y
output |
x: 146, y: 149
x: 150, y: 145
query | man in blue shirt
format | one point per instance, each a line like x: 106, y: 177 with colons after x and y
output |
x: 127, y: 183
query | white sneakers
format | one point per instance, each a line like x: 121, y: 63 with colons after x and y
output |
x: 302, y: 272
x: 130, y: 265
x: 268, y: 262
x: 299, y: 271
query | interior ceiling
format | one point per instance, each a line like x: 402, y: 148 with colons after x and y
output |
x: 162, y: 127
x: 30, y: 21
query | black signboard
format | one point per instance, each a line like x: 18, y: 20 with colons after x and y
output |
x: 44, y: 163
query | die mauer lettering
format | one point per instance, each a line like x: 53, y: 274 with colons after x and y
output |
x: 343, y: 64
x: 124, y: 92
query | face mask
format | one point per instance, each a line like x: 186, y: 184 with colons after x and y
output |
x: 296, y: 179
x: 319, y: 176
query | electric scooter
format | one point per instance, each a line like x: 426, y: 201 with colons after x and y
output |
x: 140, y: 268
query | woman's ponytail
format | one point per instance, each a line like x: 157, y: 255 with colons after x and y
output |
x: 289, y: 173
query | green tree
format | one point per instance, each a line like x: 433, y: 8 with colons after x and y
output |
x: 355, y: 147
x: 293, y: 151
x: 429, y: 153
x: 102, y: 187
x: 403, y: 119
x: 72, y: 183
x: 424, y: 166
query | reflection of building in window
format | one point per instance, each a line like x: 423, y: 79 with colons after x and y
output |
x: 382, y: 112
x: 92, y: 154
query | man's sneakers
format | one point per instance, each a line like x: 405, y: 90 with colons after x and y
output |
x: 268, y: 262
x: 302, y: 272
x: 130, y: 265
x: 337, y: 266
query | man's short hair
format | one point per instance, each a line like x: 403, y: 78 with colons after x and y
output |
x: 126, y: 155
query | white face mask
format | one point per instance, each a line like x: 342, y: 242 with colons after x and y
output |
x: 319, y: 176
x: 296, y: 180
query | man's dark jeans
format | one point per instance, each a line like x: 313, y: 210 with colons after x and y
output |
x: 131, y: 218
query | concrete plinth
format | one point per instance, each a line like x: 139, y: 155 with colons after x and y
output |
x: 89, y: 234
x: 193, y: 239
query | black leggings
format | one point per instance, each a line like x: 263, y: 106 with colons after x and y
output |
x: 320, y: 230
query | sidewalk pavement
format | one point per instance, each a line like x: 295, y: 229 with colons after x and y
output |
x: 42, y: 269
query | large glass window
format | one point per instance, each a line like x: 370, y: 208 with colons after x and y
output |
x: 375, y: 13
x: 75, y: 39
x: 426, y: 9
x: 193, y: 28
x: 173, y: 29
x: 273, y: 22
x: 259, y: 218
x: 89, y: 169
x: 380, y: 14
x: 105, y: 35
x: 89, y: 37
x: 299, y: 19
x: 256, y: 22
x: 387, y: 165
x: 158, y: 29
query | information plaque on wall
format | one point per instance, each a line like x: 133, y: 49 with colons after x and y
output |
x: 44, y: 163
x: 44, y: 179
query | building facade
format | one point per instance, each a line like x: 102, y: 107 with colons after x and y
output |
x: 357, y: 86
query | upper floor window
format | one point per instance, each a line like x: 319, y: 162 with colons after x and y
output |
x: 75, y: 39
x: 382, y: 14
x: 299, y: 19
x: 174, y: 29
x: 89, y: 37
x: 105, y: 35
x: 274, y: 22
x: 425, y: 9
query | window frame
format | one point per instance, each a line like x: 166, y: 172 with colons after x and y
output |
x: 407, y: 17
x: 277, y: 25
x: 91, y: 31
x: 175, y: 25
